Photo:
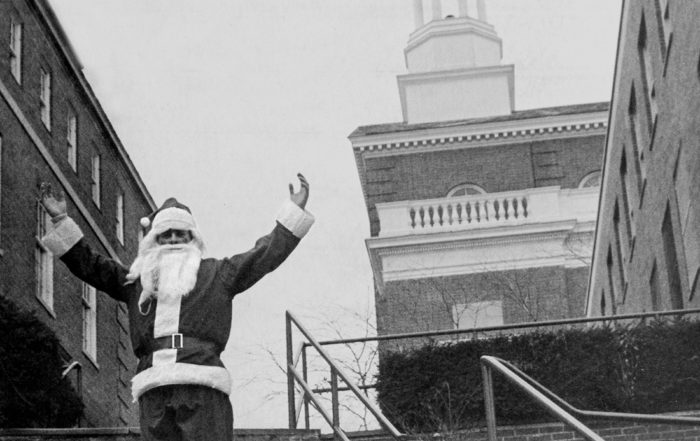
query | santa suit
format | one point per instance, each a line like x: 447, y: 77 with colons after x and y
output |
x: 178, y: 341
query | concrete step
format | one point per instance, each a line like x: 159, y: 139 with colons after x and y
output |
x: 134, y: 434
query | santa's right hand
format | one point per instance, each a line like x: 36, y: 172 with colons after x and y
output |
x: 55, y: 205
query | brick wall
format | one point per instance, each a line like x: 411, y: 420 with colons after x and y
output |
x: 534, y: 294
x: 134, y: 434
x: 662, y: 172
x: 551, y: 432
x: 608, y: 431
x: 105, y: 384
x: 496, y: 168
x: 534, y: 432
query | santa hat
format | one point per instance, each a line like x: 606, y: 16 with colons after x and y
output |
x: 172, y: 215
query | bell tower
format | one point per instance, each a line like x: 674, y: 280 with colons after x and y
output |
x: 454, y: 66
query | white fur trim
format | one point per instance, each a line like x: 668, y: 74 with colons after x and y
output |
x: 215, y: 377
x: 174, y: 218
x: 167, y: 319
x: 65, y: 234
x: 164, y: 356
x: 294, y: 218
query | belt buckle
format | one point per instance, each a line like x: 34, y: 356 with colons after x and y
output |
x: 176, y: 341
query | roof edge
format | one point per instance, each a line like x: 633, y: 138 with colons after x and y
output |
x: 573, y: 109
x: 47, y: 13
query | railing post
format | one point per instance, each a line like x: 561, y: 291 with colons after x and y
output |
x: 305, y: 373
x: 489, y: 402
x: 334, y: 398
x: 290, y: 377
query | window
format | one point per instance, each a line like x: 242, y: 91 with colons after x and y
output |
x: 647, y: 75
x: 602, y: 303
x: 478, y: 314
x: 95, y: 177
x: 664, y: 17
x: 90, y: 321
x: 671, y: 257
x: 611, y: 280
x: 43, y: 260
x: 45, y: 98
x: 16, y: 50
x: 590, y: 180
x: 120, y: 218
x: 654, y: 289
x: 618, y: 247
x: 629, y: 211
x: 636, y: 137
x: 465, y: 190
x: 72, y: 140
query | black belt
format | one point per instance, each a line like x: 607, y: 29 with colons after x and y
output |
x: 178, y: 341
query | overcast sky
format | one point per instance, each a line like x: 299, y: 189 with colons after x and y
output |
x: 221, y: 102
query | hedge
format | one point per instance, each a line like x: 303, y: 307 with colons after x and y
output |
x: 32, y: 391
x: 646, y: 368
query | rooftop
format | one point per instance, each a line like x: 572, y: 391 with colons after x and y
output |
x: 378, y: 129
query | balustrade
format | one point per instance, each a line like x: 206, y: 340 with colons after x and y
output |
x: 486, y: 210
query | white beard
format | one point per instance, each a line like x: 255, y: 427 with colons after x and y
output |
x: 167, y: 271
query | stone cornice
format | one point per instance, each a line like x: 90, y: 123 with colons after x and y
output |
x: 481, y: 135
x: 521, y: 247
x: 470, y: 239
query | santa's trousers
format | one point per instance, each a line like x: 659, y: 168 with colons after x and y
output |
x: 185, y: 413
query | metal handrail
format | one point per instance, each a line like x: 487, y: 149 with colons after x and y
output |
x: 544, y: 323
x: 336, y: 429
x: 294, y: 414
x: 596, y: 414
x: 555, y: 405
x: 293, y: 376
x: 488, y: 363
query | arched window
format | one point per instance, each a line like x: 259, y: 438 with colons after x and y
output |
x: 590, y: 180
x: 465, y: 190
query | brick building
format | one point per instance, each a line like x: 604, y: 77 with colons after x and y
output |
x: 53, y: 129
x: 647, y: 246
x: 479, y: 214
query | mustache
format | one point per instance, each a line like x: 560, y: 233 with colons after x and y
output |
x: 173, y: 247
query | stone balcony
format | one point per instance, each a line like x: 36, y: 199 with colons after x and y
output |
x: 491, y: 210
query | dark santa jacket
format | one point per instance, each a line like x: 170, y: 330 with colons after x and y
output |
x: 179, y: 340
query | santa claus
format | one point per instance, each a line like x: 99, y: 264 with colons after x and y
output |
x: 179, y: 308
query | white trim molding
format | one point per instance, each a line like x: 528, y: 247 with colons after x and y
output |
x: 561, y: 243
x: 477, y: 135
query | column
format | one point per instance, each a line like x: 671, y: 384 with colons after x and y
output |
x: 481, y: 10
x: 437, y: 10
x: 463, y: 8
x: 418, y: 13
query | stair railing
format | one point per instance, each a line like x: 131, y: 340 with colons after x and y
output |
x: 555, y: 405
x: 294, y: 378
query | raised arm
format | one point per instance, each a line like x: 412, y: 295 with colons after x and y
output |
x: 293, y: 222
x: 66, y: 241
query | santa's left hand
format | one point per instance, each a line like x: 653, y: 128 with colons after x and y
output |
x: 302, y: 195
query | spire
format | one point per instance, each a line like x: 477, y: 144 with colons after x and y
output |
x: 454, y: 65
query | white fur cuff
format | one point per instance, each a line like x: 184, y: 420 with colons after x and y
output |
x: 295, y: 219
x: 65, y: 234
x: 215, y: 377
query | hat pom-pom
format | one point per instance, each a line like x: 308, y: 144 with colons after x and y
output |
x: 145, y: 222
